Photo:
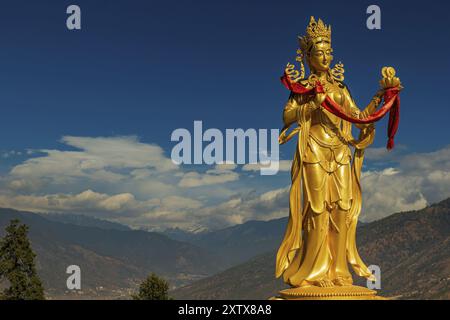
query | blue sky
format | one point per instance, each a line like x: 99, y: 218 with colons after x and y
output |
x: 145, y: 68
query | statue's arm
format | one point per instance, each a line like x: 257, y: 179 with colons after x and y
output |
x: 369, y: 109
x: 297, y: 108
x: 373, y: 104
x: 294, y: 106
x: 290, y: 110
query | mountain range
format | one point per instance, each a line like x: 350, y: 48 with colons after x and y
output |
x: 112, y: 261
x: 238, y: 243
x: 412, y: 250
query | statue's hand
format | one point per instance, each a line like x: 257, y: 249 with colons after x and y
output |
x: 355, y: 113
x: 390, y: 83
x: 389, y: 79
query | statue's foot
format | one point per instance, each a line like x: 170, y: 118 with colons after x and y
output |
x: 343, y: 281
x: 324, y: 283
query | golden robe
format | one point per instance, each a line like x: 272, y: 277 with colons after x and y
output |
x: 325, y: 196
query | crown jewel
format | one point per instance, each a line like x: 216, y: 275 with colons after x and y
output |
x: 313, y: 31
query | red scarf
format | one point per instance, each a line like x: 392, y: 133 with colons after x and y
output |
x: 391, y: 104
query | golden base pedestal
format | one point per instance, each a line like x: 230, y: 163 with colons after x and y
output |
x: 333, y: 293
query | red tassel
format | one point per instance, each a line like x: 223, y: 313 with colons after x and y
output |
x: 390, y: 144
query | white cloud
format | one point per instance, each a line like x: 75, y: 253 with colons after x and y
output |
x: 98, y: 161
x: 120, y: 152
x: 86, y: 201
x: 221, y: 173
x: 381, y: 154
x: 118, y: 178
x: 122, y: 179
x: 177, y: 203
x: 283, y: 166
x: 418, y: 179
x: 390, y: 191
x: 247, y: 206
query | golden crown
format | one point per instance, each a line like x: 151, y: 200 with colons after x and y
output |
x: 313, y: 31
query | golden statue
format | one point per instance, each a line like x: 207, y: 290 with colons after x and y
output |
x: 325, y: 196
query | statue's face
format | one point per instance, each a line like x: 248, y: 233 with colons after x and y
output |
x: 320, y: 56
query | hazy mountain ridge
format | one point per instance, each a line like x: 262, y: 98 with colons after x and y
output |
x: 411, y: 248
x: 238, y: 243
x: 84, y: 221
x: 112, y: 259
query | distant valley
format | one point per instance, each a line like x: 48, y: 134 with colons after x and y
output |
x: 412, y: 249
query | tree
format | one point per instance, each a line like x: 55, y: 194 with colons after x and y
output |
x: 17, y: 265
x: 153, y: 288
